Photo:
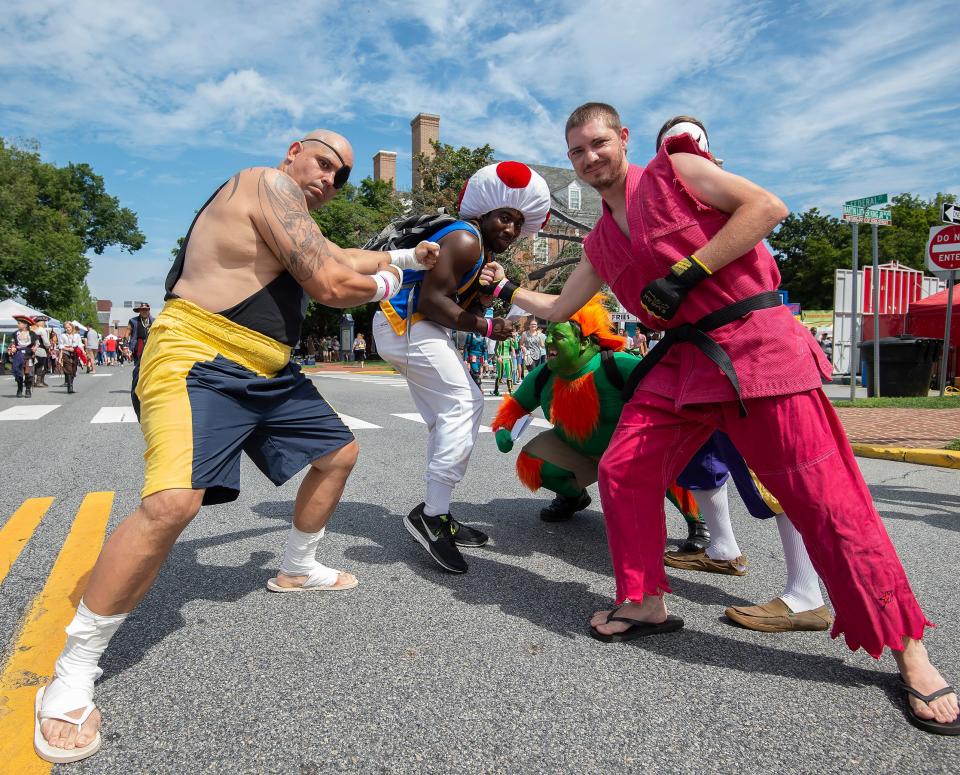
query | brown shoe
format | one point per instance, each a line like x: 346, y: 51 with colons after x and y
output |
x: 699, y: 561
x: 776, y: 616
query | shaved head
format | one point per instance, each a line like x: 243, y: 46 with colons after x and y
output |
x: 320, y: 162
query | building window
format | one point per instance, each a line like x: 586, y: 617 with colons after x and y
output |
x: 541, y: 251
x: 573, y: 196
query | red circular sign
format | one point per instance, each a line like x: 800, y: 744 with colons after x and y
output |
x: 943, y: 250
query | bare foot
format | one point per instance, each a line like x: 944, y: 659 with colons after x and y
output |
x: 652, y: 610
x: 61, y: 734
x: 344, y: 579
x: 919, y: 674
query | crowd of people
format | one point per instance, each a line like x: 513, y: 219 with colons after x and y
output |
x: 680, y: 244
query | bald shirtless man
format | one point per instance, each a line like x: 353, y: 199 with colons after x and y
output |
x: 216, y: 379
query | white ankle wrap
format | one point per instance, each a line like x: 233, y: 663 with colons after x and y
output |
x: 76, y: 671
x: 299, y: 555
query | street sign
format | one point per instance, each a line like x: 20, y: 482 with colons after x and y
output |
x: 858, y: 214
x: 950, y: 213
x: 869, y: 201
x: 943, y: 249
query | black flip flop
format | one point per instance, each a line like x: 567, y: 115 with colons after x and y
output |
x: 637, y: 629
x: 928, y: 724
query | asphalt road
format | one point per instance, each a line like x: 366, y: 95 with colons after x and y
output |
x: 420, y: 671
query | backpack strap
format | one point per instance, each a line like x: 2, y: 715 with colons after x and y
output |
x: 609, y: 363
x: 542, y: 379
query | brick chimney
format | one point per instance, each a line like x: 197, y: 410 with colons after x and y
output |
x: 385, y: 167
x: 425, y: 127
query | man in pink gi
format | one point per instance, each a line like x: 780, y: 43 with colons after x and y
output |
x: 680, y: 244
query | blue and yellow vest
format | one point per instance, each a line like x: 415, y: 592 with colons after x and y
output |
x: 401, y: 310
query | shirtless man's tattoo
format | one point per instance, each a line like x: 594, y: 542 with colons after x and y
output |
x: 300, y: 246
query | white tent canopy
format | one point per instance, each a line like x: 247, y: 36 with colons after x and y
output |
x: 9, y: 308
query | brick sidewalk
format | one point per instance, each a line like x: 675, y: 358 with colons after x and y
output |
x: 916, y: 428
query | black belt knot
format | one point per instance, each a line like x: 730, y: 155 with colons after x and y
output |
x: 695, y: 333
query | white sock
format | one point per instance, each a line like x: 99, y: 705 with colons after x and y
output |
x: 77, y: 670
x: 802, y: 591
x: 438, y: 498
x: 715, y: 509
x: 300, y: 553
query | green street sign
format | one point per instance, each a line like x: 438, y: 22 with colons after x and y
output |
x: 854, y: 214
x: 878, y: 199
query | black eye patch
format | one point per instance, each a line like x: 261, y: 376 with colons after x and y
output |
x: 342, y: 175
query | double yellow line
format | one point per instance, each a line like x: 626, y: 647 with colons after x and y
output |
x: 41, y: 637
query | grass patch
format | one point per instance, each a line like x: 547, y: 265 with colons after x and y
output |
x: 918, y: 402
x: 954, y: 445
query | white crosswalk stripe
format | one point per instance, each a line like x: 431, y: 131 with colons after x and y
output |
x: 27, y: 412
x: 357, y: 425
x: 369, y: 379
x: 415, y: 417
x: 115, y: 414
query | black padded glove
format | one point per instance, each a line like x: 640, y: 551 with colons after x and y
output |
x: 662, y: 298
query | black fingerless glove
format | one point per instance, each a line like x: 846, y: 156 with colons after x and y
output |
x: 662, y: 297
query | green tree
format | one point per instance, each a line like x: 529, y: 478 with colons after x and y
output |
x: 443, y: 175
x: 809, y: 247
x: 49, y: 218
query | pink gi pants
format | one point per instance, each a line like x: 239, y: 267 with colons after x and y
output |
x: 797, y: 447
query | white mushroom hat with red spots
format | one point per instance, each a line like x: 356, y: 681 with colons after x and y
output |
x: 507, y: 184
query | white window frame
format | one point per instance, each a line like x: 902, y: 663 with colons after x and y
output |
x: 574, y: 196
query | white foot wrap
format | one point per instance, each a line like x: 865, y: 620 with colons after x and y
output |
x: 299, y: 555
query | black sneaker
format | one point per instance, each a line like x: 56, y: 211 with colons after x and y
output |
x: 464, y: 535
x: 563, y: 507
x: 435, y: 535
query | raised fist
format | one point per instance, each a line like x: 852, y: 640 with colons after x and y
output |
x: 427, y: 254
x: 491, y: 274
x: 502, y: 329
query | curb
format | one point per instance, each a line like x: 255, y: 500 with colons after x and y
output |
x: 944, y: 458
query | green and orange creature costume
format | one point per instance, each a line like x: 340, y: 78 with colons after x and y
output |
x: 579, y: 389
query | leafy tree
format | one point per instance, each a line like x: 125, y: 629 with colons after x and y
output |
x: 49, y: 218
x: 442, y: 176
x: 810, y: 246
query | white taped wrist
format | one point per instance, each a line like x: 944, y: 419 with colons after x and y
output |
x: 405, y: 258
x: 388, y: 284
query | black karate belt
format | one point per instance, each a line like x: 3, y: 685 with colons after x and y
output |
x: 695, y: 333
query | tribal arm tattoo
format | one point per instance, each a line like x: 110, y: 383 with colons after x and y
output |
x: 296, y: 239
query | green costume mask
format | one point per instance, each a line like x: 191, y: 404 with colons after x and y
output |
x: 568, y: 351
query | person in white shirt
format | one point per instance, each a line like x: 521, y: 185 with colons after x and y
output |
x: 70, y: 343
x: 92, y: 345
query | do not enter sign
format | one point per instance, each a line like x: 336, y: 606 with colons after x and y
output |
x: 943, y: 249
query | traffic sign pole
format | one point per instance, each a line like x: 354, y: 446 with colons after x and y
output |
x: 853, y: 312
x: 876, y: 313
x: 951, y: 281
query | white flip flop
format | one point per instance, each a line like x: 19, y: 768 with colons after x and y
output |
x: 48, y: 752
x: 312, y: 585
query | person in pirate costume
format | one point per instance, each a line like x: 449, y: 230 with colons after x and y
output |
x: 139, y: 326
x: 71, y: 349
x: 498, y: 204
x: 578, y: 388
x: 25, y: 341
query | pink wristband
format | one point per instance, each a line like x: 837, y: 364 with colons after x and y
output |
x: 496, y: 291
x: 489, y: 327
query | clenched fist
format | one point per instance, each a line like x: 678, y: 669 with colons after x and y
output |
x: 491, y: 274
x: 502, y: 329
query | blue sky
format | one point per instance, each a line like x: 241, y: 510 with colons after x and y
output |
x: 818, y: 101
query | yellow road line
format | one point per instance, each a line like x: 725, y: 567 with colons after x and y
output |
x: 15, y: 534
x: 42, y: 637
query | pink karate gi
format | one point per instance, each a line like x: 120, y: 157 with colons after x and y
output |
x: 791, y: 437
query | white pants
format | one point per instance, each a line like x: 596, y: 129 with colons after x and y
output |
x: 447, y: 398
